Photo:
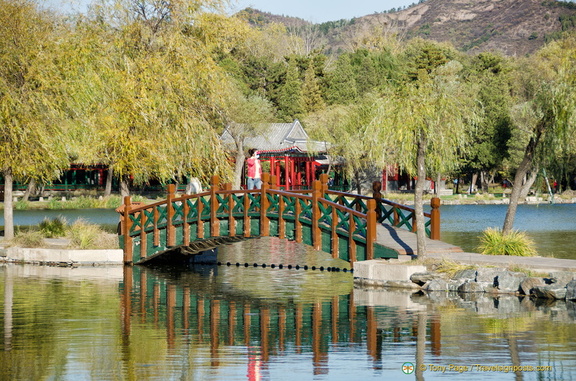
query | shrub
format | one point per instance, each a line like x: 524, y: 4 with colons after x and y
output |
x: 83, y: 235
x: 86, y: 236
x: 494, y: 242
x: 30, y: 239
x: 53, y: 228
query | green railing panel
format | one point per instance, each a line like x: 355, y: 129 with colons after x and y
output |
x: 343, y: 220
x: 192, y: 209
x: 205, y: 208
x: 361, y: 226
x: 149, y: 215
x: 178, y: 217
x: 162, y: 211
x: 325, y: 214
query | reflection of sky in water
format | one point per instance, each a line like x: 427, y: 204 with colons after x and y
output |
x: 473, y: 218
x: 552, y: 227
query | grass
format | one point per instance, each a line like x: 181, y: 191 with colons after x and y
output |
x: 80, y: 202
x: 53, y: 228
x: 516, y: 243
x: 81, y: 235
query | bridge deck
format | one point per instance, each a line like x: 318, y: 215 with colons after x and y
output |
x: 404, y: 242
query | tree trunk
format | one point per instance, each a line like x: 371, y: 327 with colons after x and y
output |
x: 528, y: 184
x: 358, y: 184
x: 437, y: 185
x: 109, y: 177
x: 419, y: 198
x: 8, y: 205
x: 124, y: 186
x: 238, y: 169
x: 523, y: 168
x: 484, y: 181
x: 30, y: 189
x: 473, y: 183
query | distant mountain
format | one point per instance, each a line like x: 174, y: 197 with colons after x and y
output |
x: 514, y: 27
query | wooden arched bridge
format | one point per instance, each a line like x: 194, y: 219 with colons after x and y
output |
x: 343, y: 224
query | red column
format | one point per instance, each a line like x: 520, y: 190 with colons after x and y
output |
x: 286, y: 172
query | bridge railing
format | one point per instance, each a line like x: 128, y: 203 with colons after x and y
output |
x: 318, y: 217
x: 387, y: 211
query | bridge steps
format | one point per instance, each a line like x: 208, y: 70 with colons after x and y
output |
x: 404, y: 242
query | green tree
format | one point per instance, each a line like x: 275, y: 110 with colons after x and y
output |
x: 548, y: 112
x: 153, y: 90
x: 290, y: 98
x: 246, y: 117
x: 489, y: 146
x: 32, y: 144
x: 346, y: 129
x: 311, y: 91
x: 424, y: 124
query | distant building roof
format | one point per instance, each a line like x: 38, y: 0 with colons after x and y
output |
x: 279, y: 137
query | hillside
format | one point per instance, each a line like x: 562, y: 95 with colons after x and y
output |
x: 514, y: 27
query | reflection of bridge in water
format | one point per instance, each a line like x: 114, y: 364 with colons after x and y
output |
x: 269, y: 328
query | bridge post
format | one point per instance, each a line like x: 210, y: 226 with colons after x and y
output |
x: 214, y: 224
x: 371, y: 218
x: 126, y: 225
x: 316, y: 195
x: 324, y: 182
x: 231, y: 220
x: 264, y: 205
x: 435, y: 218
x: 170, y: 229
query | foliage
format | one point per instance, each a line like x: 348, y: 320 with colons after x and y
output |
x: 495, y: 242
x: 53, y: 228
x: 28, y: 239
x: 83, y: 236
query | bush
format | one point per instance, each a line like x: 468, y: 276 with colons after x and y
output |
x: 53, y: 228
x: 29, y: 239
x: 493, y: 242
x: 83, y: 235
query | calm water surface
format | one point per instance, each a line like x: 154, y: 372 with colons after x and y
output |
x: 247, y: 323
x: 551, y: 226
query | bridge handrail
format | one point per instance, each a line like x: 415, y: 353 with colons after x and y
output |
x: 355, y: 219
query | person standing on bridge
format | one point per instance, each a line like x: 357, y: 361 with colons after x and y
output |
x: 254, y: 170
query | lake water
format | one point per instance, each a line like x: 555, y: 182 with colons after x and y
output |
x: 254, y: 323
x: 551, y: 226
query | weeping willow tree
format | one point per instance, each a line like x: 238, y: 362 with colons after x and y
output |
x: 423, y: 126
x: 346, y: 128
x: 32, y: 146
x: 147, y: 92
x: 546, y: 113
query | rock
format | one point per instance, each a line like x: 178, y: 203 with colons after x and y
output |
x: 436, y: 285
x: 453, y: 284
x: 550, y: 291
x: 487, y: 275
x: 509, y: 282
x: 464, y: 275
x: 472, y: 287
x: 571, y: 290
x: 422, y: 278
x: 562, y: 277
x: 528, y: 284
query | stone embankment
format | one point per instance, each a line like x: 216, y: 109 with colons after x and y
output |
x: 560, y: 285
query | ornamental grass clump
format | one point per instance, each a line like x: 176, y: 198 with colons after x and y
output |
x: 53, y: 228
x: 494, y: 242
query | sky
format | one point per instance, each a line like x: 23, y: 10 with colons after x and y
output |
x: 316, y: 11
